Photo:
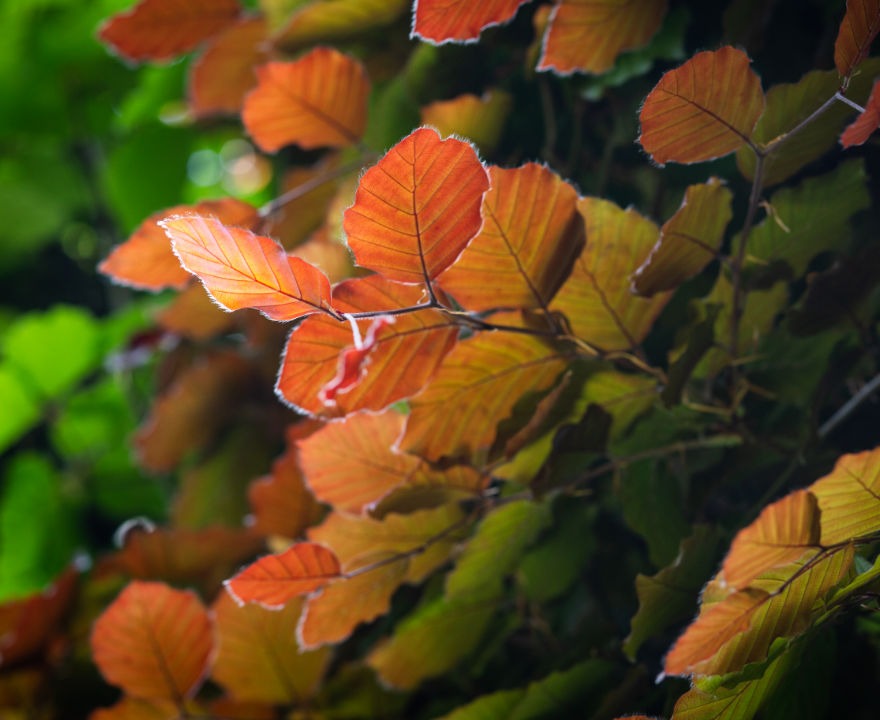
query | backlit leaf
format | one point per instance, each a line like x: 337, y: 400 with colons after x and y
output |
x: 153, y: 641
x: 596, y: 298
x: 479, y: 119
x: 243, y: 270
x: 689, y: 240
x: 274, y: 579
x: 319, y: 100
x: 587, y: 36
x: 849, y: 498
x: 332, y: 21
x: 866, y: 123
x: 531, y: 236
x: 163, y: 29
x: 441, y: 21
x: 417, y: 208
x: 857, y: 31
x: 704, y: 109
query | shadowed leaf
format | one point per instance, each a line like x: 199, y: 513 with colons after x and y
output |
x: 857, y: 31
x: 129, y: 708
x: 332, y: 21
x: 858, y: 132
x: 442, y: 21
x: 849, y: 498
x: 479, y: 119
x: 192, y: 314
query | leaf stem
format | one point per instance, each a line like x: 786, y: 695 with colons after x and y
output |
x: 849, y: 407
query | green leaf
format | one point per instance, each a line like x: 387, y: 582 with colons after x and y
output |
x: 21, y: 411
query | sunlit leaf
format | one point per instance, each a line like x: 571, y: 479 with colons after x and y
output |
x: 163, y: 29
x: 857, y: 31
x: 596, y: 298
x: 689, y: 240
x: 441, y: 21
x: 417, y: 208
x: 531, y: 236
x: 332, y: 21
x: 479, y: 119
x: 704, y: 109
x: 153, y: 641
x: 258, y: 657
x: 858, y: 132
x: 243, y: 270
x: 319, y: 100
x: 146, y: 261
x: 849, y: 498
x: 274, y: 579
x: 587, y: 36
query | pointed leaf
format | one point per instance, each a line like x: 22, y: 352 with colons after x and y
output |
x: 164, y: 29
x: 866, y: 123
x: 332, y: 21
x: 530, y: 238
x: 153, y: 641
x: 705, y: 109
x: 317, y: 101
x: 417, y: 209
x: 274, y: 579
x: 857, y: 31
x: 243, y: 270
x: 442, y: 21
x: 849, y: 498
x: 689, y: 240
x: 479, y: 119
x: 587, y: 36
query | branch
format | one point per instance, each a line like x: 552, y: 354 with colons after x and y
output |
x: 849, y: 407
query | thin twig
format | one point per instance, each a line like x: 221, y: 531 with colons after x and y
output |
x: 849, y: 407
x: 273, y: 206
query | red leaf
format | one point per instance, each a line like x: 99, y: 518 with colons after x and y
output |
x: 319, y: 100
x: 417, y: 209
x: 164, y: 29
x: 857, y: 31
x: 274, y: 579
x: 865, y: 124
x: 304, y: 24
x: 243, y: 270
x: 442, y: 21
x: 153, y: 641
x: 703, y: 110
x: 353, y: 360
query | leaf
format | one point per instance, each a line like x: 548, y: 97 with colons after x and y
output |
x: 333, y: 21
x: 442, y: 21
x: 164, y: 29
x: 417, y: 208
x: 596, y: 298
x: 405, y: 355
x: 243, y: 270
x: 153, y: 641
x: 705, y: 109
x: 273, y: 580
x: 129, y: 708
x: 319, y: 100
x: 689, y: 240
x: 587, y: 36
x: 21, y: 409
x: 258, y: 658
x: 849, y: 498
x: 857, y: 31
x: 223, y: 74
x: 479, y: 119
x: 858, y: 132
x: 193, y: 315
x: 476, y: 388
x: 531, y: 236
x: 146, y: 261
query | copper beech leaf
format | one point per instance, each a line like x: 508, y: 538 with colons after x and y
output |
x: 164, y: 29
x: 596, y: 298
x: 442, y: 21
x: 866, y: 123
x: 243, y: 270
x: 531, y: 235
x: 587, y: 36
x: 417, y: 208
x: 849, y: 498
x: 319, y: 100
x: 332, y: 21
x: 857, y: 31
x: 705, y: 109
x: 146, y: 260
x: 274, y: 579
x: 479, y: 119
x: 689, y: 240
x: 192, y: 314
x: 153, y: 641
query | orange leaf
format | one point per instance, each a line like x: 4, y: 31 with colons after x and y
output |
x: 146, y: 261
x: 596, y: 298
x: 164, y: 29
x: 849, y: 498
x: 193, y: 315
x: 243, y: 270
x: 705, y: 109
x: 405, y: 355
x: 331, y: 21
x: 857, y: 31
x: 258, y: 658
x: 587, y: 36
x: 224, y: 73
x: 274, y: 579
x: 417, y: 209
x: 688, y: 241
x: 865, y: 124
x: 317, y: 101
x: 529, y: 241
x: 442, y: 21
x: 153, y: 641
x: 479, y: 119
